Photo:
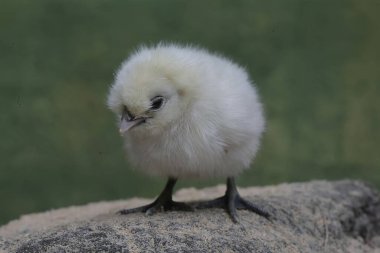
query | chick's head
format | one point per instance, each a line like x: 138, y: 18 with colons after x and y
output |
x: 149, y: 94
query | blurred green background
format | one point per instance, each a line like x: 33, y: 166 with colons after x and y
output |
x: 316, y: 64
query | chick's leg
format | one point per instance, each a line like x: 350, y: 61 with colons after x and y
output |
x: 164, y: 202
x: 232, y: 201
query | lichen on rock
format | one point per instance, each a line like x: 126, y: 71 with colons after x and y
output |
x: 319, y: 216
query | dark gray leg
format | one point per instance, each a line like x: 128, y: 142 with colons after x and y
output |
x: 232, y: 201
x: 164, y: 202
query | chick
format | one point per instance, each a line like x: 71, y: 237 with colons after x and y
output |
x: 186, y: 113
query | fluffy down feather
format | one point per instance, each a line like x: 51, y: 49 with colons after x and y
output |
x: 211, y: 120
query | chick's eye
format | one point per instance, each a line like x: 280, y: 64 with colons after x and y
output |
x: 157, y: 103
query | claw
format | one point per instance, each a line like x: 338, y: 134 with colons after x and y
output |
x: 232, y: 201
x: 158, y: 206
x: 164, y: 202
x: 251, y: 207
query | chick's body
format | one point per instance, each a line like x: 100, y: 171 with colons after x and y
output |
x: 210, y: 123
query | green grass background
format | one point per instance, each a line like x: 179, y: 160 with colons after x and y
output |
x: 316, y: 64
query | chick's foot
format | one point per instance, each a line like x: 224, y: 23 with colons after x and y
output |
x: 164, y: 202
x: 232, y: 201
x: 158, y: 206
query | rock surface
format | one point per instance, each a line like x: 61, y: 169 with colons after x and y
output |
x: 319, y: 216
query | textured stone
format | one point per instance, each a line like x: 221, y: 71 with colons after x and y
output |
x: 319, y: 216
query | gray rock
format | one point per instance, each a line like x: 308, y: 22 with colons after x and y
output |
x: 319, y: 216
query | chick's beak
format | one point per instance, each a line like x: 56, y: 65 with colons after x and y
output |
x: 126, y: 125
x: 127, y: 122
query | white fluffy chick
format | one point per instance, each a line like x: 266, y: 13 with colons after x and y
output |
x: 186, y: 113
